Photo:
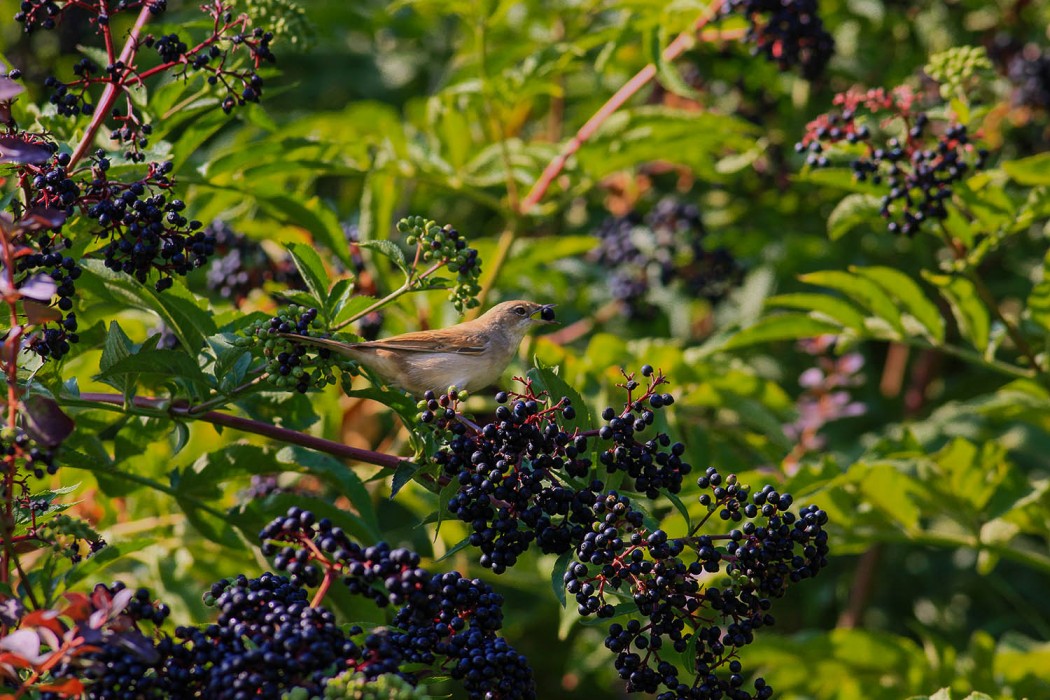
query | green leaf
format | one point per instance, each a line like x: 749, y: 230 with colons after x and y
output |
x: 1038, y: 303
x: 1033, y: 170
x: 341, y: 292
x: 864, y: 292
x: 310, y: 266
x: 388, y: 249
x: 969, y: 311
x: 351, y: 308
x: 682, y: 510
x: 668, y: 73
x: 312, y: 215
x: 909, y: 294
x: 118, y: 346
x: 547, y: 378
x: 836, y: 309
x: 177, y: 307
x: 781, y: 327
x: 558, y: 576
x: 854, y: 210
x: 163, y: 363
x: 231, y: 361
x: 402, y: 475
x: 340, y: 476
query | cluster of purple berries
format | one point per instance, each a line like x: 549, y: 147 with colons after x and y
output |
x: 663, y: 248
x: 917, y: 167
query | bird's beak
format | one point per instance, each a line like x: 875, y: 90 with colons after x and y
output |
x: 545, y: 310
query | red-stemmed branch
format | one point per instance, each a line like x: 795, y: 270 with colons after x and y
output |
x: 676, y: 48
x: 247, y: 425
x: 113, y: 87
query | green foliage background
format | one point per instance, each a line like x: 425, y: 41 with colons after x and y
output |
x: 940, y: 509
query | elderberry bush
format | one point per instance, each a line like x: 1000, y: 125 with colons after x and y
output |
x: 524, y: 479
x: 241, y: 265
x: 788, y: 32
x: 665, y: 247
x: 693, y: 602
x: 273, y: 638
x: 441, y: 620
x: 916, y: 165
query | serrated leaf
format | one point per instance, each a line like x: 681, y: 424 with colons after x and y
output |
x: 338, y: 295
x: 340, y: 476
x: 180, y: 437
x: 854, y: 210
x: 312, y: 215
x: 351, y: 308
x: 838, y: 310
x: 388, y: 249
x: 667, y: 72
x: 402, y: 475
x: 177, y: 306
x: 164, y: 363
x: 681, y: 508
x: 231, y: 361
x: 781, y: 327
x: 866, y: 293
x: 310, y: 266
x: 967, y: 308
x: 117, y: 347
x: 909, y: 294
x: 1038, y: 303
x: 547, y: 379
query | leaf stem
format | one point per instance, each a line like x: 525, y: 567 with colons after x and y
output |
x: 405, y: 288
x: 1015, y: 335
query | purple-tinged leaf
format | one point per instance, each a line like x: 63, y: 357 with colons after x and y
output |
x: 45, y: 422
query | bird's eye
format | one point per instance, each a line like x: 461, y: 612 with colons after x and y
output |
x: 520, y: 310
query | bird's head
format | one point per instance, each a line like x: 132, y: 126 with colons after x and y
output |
x: 515, y: 318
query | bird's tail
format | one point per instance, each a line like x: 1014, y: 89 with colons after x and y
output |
x: 344, y: 349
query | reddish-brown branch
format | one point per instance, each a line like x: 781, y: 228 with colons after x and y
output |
x: 675, y: 49
x: 113, y: 88
x: 248, y: 425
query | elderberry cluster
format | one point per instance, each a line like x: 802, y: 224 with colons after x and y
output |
x: 242, y: 85
x: 662, y: 248
x: 145, y: 228
x: 36, y: 459
x: 917, y: 166
x: 241, y: 265
x: 442, y: 620
x: 50, y: 185
x: 676, y: 611
x: 519, y: 474
x: 52, y: 338
x: 1029, y: 71
x: 267, y: 638
x: 44, y: 14
x: 292, y: 363
x: 788, y: 32
x: 446, y: 244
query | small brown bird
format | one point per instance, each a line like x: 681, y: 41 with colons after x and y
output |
x: 470, y: 355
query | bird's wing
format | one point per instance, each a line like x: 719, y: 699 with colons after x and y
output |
x: 439, y: 341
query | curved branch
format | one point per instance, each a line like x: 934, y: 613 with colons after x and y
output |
x: 247, y: 425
